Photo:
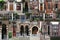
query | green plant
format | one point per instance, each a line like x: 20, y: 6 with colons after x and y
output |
x: 10, y: 34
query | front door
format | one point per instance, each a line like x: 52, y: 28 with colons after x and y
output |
x: 22, y: 30
x: 27, y: 30
x: 4, y: 31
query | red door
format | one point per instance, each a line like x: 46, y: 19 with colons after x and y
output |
x: 14, y: 31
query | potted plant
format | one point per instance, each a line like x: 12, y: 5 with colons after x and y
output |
x: 10, y: 35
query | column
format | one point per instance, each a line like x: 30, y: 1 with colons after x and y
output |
x: 14, y: 6
x: 8, y: 6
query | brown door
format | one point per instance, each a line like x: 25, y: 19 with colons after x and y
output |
x: 11, y: 7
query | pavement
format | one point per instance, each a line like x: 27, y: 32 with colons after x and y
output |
x: 31, y: 37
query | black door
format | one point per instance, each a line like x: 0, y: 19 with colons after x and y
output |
x: 22, y: 30
x: 4, y: 31
x: 27, y: 30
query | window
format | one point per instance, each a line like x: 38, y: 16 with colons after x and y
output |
x: 48, y: 6
x: 22, y: 18
x: 18, y: 6
x: 56, y: 5
x: 5, y: 6
x: 41, y: 1
x: 11, y: 7
x: 55, y: 33
x: 44, y: 6
x: 23, y: 0
x: 41, y: 6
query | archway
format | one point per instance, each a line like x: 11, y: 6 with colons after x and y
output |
x: 27, y: 30
x: 22, y: 30
x: 4, y: 31
x: 34, y: 30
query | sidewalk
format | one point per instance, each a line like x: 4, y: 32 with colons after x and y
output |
x: 20, y: 38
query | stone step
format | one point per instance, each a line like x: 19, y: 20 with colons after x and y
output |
x: 20, y: 38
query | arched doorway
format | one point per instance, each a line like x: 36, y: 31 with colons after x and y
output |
x: 27, y: 30
x: 34, y: 30
x: 4, y: 31
x: 22, y: 30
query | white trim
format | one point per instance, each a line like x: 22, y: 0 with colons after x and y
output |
x: 14, y: 6
x: 8, y: 6
x: 44, y: 16
x: 12, y: 16
x: 43, y: 6
x: 39, y: 6
x: 40, y: 25
x: 21, y: 7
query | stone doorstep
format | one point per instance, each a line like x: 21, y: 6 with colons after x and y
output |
x: 25, y: 38
x: 15, y: 38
